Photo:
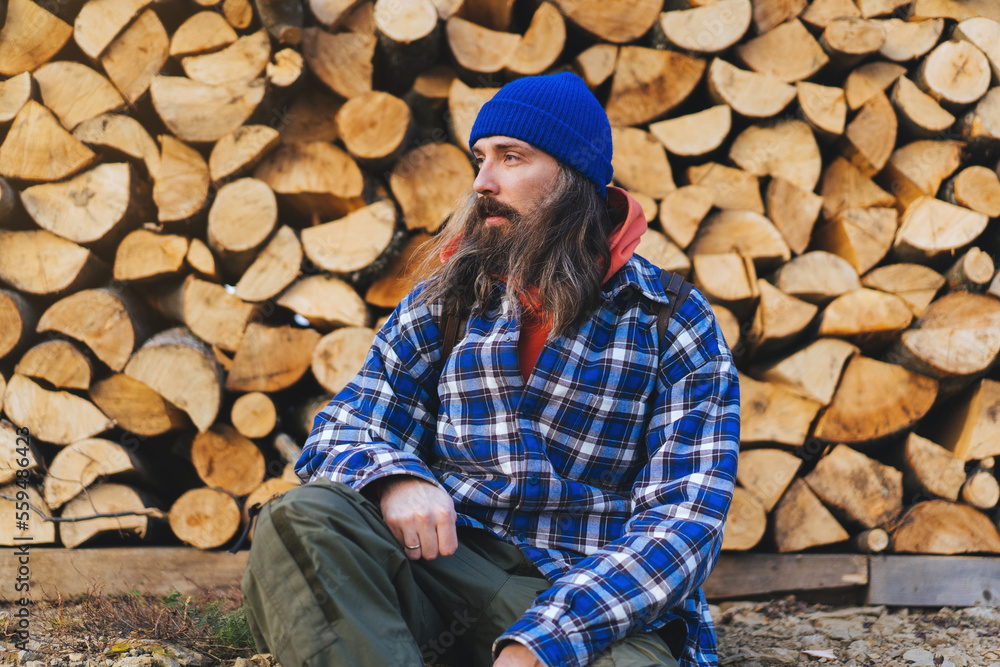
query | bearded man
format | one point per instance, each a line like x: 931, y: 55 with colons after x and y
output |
x: 547, y: 488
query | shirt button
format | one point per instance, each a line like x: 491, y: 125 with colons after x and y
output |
x: 533, y: 480
x: 520, y: 537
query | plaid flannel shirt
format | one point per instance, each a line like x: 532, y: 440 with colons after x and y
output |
x: 612, y: 467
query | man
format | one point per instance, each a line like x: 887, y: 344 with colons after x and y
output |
x: 552, y: 491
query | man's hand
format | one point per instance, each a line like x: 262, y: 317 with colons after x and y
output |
x: 516, y: 655
x: 421, y: 517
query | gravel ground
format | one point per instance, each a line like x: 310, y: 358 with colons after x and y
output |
x: 779, y: 632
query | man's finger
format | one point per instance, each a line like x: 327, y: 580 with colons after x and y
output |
x: 447, y: 538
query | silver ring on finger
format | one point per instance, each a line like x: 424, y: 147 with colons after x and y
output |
x: 415, y: 546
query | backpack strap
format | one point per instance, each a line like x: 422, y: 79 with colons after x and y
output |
x: 674, y: 285
x: 453, y: 323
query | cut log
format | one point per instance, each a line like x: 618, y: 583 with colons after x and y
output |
x: 863, y: 237
x: 794, y: 212
x: 975, y: 187
x: 285, y: 68
x: 849, y: 40
x: 271, y: 358
x: 972, y: 272
x: 122, y: 134
x: 57, y: 362
x: 905, y: 40
x: 100, y: 21
x: 929, y: 467
x: 274, y: 269
x: 180, y: 189
x: 354, y: 241
x: 339, y: 355
x: 950, y: 9
x: 872, y: 541
x: 772, y: 413
x: 919, y: 113
x: 200, y: 258
x: 745, y: 232
x: 343, y: 62
x: 659, y: 250
x: 17, y: 321
x: 400, y: 277
x: 37, y: 531
x: 770, y: 13
x: 823, y: 107
x: 408, y: 41
x: 813, y: 371
x: 729, y: 324
x: 426, y: 182
x: 57, y: 417
x: 542, y: 43
x: 332, y: 13
x: 942, y: 527
x: 283, y: 20
x: 972, y: 431
x: 182, y: 370
x: 801, y: 521
x: 597, y: 63
x: 14, y: 94
x: 201, y: 112
x: 38, y: 148
x: 745, y: 523
x: 766, y: 473
x: 857, y: 487
x: 820, y: 13
x: 240, y: 221
x: 780, y: 319
x: 918, y: 169
x: 981, y: 490
x: 464, y: 104
x: 136, y: 407
x: 955, y: 73
x: 748, y: 93
x: 428, y: 99
x: 640, y: 163
x: 867, y: 80
x: 205, y: 518
x: 617, y: 21
x: 871, y: 136
x: 145, y: 255
x: 870, y: 8
x: 649, y: 207
x: 39, y: 262
x: 203, y: 32
x: 844, y: 187
x: 648, y: 83
x: 734, y: 189
x: 493, y: 14
x: 695, y: 134
x: 875, y: 400
x: 226, y: 460
x: 326, y: 302
x: 11, y: 459
x: 314, y: 178
x: 817, y: 277
x: 108, y: 322
x: 984, y: 34
x: 60, y: 84
x: 916, y: 285
x: 785, y: 150
x: 137, y: 55
x: 931, y: 228
x: 241, y: 61
x: 786, y: 51
x: 238, y: 13
x: 708, y: 28
x: 79, y: 465
x: 269, y: 489
x: 682, y: 210
x: 954, y: 340
x: 727, y: 279
x: 236, y: 153
x: 254, y: 415
x: 374, y: 128
x: 210, y: 312
x: 29, y: 37
x: 95, y: 209
x: 981, y: 126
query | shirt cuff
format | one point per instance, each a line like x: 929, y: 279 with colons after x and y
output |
x: 549, y: 642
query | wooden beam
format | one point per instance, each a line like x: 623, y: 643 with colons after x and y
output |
x: 741, y: 575
x: 934, y: 581
x: 156, y: 570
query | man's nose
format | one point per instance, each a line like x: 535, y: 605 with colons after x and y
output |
x: 485, y: 183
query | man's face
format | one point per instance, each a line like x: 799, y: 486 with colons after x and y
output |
x: 514, y: 177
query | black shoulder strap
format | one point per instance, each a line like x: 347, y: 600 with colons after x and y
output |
x: 674, y: 285
x: 452, y: 325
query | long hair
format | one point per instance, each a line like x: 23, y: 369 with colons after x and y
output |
x: 552, y: 259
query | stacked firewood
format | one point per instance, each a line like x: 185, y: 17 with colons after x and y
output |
x: 208, y: 206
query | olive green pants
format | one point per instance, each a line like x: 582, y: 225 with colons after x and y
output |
x: 328, y: 585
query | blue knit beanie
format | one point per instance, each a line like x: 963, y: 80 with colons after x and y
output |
x: 555, y: 113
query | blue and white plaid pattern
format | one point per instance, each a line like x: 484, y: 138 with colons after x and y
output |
x: 612, y: 468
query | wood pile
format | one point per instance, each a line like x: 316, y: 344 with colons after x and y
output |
x: 208, y: 206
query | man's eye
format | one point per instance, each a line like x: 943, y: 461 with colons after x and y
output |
x: 509, y: 157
